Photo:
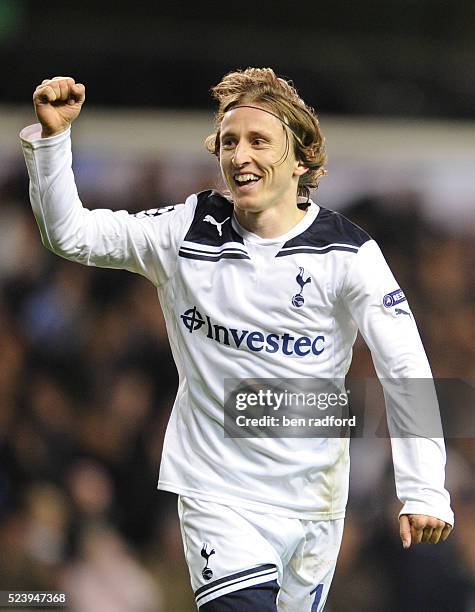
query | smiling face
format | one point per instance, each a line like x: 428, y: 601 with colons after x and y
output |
x: 257, y: 160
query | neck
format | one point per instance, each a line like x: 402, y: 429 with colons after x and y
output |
x: 270, y: 223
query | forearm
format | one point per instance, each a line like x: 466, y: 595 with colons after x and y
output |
x: 417, y: 444
x: 53, y: 194
x: 419, y: 468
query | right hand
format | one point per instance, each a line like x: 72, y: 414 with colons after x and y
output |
x: 58, y: 102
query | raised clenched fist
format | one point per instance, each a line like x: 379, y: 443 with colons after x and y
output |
x: 58, y: 102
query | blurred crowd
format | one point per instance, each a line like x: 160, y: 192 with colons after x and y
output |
x: 86, y: 387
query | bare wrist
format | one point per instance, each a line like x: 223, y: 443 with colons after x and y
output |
x: 45, y: 133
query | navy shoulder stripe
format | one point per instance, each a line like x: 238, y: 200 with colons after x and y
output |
x: 211, y: 224
x: 211, y: 236
x: 331, y: 231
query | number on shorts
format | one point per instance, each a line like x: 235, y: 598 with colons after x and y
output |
x: 318, y: 595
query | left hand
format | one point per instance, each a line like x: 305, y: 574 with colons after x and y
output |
x: 421, y: 528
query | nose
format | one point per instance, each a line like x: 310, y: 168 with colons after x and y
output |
x: 240, y: 155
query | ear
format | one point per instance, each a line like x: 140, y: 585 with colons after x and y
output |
x: 300, y: 168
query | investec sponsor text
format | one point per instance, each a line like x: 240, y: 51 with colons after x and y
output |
x: 253, y: 340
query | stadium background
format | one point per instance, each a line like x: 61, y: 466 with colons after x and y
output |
x: 86, y: 378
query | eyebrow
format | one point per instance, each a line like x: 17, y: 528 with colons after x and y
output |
x: 263, y: 133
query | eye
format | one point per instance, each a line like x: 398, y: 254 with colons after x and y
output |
x: 227, y: 143
x: 262, y: 142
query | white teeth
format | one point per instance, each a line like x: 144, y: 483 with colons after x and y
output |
x: 241, y: 178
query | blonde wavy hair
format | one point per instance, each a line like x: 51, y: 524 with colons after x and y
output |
x: 263, y: 86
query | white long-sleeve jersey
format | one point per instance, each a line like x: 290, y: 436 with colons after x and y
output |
x: 230, y: 302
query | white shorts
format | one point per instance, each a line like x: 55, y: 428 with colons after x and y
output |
x: 229, y: 548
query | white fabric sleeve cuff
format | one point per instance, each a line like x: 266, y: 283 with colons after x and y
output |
x: 420, y: 508
x: 31, y: 136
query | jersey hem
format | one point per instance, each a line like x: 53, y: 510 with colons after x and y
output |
x: 260, y: 507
